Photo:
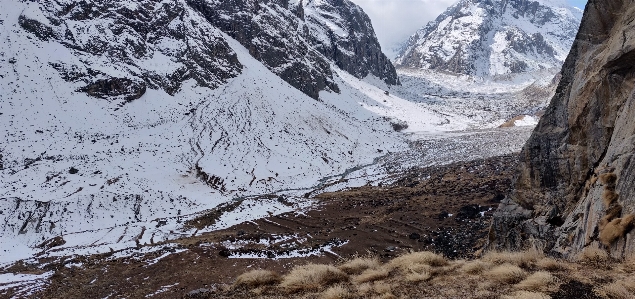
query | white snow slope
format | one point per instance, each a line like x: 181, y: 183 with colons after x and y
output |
x: 107, y: 176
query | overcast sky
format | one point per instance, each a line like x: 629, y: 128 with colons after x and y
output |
x: 395, y: 20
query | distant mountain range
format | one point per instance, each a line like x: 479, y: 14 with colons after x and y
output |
x: 489, y: 38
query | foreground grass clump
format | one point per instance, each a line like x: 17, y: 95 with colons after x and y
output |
x: 504, y: 275
x: 359, y: 265
x: 257, y: 278
x: 312, y: 277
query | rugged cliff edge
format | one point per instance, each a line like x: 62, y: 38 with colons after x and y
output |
x: 575, y: 186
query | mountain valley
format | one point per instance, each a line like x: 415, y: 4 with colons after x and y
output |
x: 162, y: 148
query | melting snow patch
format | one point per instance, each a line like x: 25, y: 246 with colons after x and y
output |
x: 526, y: 121
x: 26, y: 284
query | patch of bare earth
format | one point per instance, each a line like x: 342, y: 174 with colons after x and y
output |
x: 442, y: 209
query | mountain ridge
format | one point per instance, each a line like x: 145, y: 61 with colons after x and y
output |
x: 494, y: 38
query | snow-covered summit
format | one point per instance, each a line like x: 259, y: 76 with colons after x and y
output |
x: 494, y: 37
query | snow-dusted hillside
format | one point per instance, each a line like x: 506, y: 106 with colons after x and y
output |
x: 494, y: 38
x: 122, y: 120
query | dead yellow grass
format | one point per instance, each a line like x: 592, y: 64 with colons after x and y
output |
x: 418, y: 276
x: 540, y: 281
x: 382, y: 288
x: 427, y: 275
x: 621, y: 289
x: 257, y: 278
x: 609, y: 197
x: 506, y: 274
x: 407, y: 261
x: 364, y: 288
x: 312, y: 277
x: 386, y: 296
x: 475, y: 267
x: 371, y: 275
x: 336, y: 292
x: 358, y: 265
x: 524, y: 259
x: 616, y: 229
x: 593, y: 255
x: 550, y: 264
x: 526, y: 295
x: 628, y: 265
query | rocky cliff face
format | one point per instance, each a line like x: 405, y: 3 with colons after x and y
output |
x: 120, y: 48
x: 576, y: 183
x: 344, y: 33
x: 494, y: 37
x: 118, y: 43
x: 297, y: 40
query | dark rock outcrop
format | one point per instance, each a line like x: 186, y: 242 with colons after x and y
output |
x: 167, y: 43
x: 115, y: 88
x: 295, y: 39
x: 156, y: 45
x: 576, y: 183
x: 354, y: 48
x: 274, y: 35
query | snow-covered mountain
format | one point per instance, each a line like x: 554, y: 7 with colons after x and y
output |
x: 121, y: 120
x: 490, y: 38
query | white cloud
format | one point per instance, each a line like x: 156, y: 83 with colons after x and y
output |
x: 395, y: 20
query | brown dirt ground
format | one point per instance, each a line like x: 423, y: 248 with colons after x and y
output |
x: 413, y: 213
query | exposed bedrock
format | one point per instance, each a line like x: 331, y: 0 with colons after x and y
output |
x: 575, y: 186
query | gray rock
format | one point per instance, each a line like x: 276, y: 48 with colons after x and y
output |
x: 298, y: 46
x: 587, y: 131
x: 125, y: 36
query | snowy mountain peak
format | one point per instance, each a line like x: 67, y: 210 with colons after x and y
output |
x: 494, y: 37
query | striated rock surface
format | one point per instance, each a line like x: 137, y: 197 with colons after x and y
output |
x: 124, y: 47
x: 117, y: 49
x: 345, y: 34
x: 494, y: 38
x: 298, y: 40
x: 575, y: 187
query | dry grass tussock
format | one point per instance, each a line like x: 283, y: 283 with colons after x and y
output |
x: 257, y: 278
x: 371, y: 275
x: 621, y: 289
x: 523, y: 259
x: 551, y: 264
x: 592, y: 255
x: 359, y: 265
x: 407, y: 261
x: 312, y: 277
x: 427, y: 275
x: 336, y: 292
x: 539, y: 281
x: 475, y: 267
x: 506, y: 274
x: 526, y: 295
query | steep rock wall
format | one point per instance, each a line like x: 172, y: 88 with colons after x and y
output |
x: 575, y: 187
